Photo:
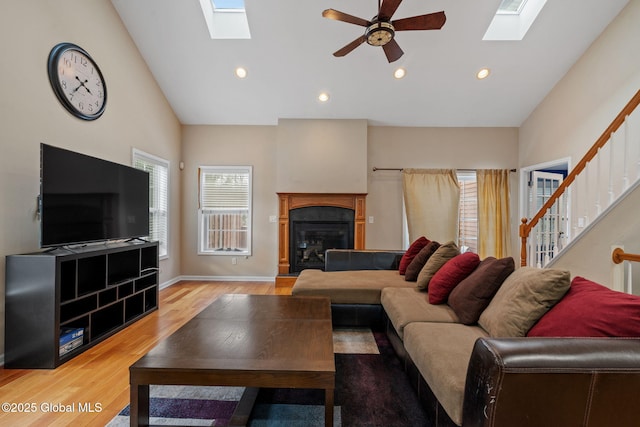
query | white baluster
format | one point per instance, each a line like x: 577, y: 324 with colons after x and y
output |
x: 611, y: 168
x: 597, y: 189
x: 625, y: 173
x: 586, y: 193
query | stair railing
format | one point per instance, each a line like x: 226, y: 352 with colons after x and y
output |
x: 619, y: 256
x: 588, y: 178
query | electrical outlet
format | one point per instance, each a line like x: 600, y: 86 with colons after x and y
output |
x: 234, y: 260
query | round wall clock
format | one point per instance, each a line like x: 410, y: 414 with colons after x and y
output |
x: 77, y: 81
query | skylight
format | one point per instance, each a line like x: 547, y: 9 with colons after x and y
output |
x: 513, y: 19
x: 511, y: 7
x: 228, y: 5
x: 226, y: 19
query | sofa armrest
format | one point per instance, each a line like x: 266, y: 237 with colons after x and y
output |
x: 361, y: 259
x: 552, y: 381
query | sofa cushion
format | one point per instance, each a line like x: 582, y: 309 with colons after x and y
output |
x: 441, y: 352
x: 413, y: 250
x: 443, y: 254
x: 347, y: 287
x: 418, y: 262
x: 450, y: 274
x: 407, y: 305
x: 523, y: 298
x: 591, y: 310
x: 473, y: 294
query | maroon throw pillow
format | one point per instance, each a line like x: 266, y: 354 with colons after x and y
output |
x: 590, y: 310
x: 450, y: 275
x: 474, y: 293
x: 418, y: 262
x: 413, y: 250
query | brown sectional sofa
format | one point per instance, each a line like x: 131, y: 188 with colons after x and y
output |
x: 476, y: 374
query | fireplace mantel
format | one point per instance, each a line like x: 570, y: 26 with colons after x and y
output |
x: 288, y: 201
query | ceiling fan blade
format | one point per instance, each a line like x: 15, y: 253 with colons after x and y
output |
x: 348, y: 48
x: 431, y: 21
x: 392, y: 50
x: 387, y: 9
x: 341, y: 16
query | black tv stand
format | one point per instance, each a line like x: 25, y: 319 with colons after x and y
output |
x: 99, y: 289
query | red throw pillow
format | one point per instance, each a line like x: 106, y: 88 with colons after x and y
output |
x: 413, y: 250
x: 450, y: 274
x: 591, y: 310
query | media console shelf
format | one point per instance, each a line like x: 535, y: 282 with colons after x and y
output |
x: 94, y: 291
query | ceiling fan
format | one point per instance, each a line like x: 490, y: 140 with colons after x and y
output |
x: 380, y: 30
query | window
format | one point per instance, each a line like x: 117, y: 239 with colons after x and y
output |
x: 468, y: 212
x: 226, y: 19
x: 511, y: 7
x: 224, y: 223
x: 158, y: 198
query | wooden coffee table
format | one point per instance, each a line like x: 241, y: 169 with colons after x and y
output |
x: 244, y: 340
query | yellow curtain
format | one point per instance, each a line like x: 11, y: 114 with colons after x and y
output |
x: 431, y: 198
x: 494, y: 228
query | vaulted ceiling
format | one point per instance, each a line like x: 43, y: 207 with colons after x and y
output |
x: 289, y: 61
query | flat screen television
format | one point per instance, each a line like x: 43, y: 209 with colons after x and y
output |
x: 85, y: 199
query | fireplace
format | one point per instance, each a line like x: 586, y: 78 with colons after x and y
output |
x: 313, y: 230
x: 334, y: 220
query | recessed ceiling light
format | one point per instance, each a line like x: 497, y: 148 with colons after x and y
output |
x: 483, y: 73
x: 241, y: 72
x: 399, y: 73
x: 323, y: 97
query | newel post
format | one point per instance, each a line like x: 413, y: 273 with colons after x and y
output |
x: 524, y: 233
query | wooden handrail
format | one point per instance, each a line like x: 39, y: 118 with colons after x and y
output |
x: 619, y: 255
x: 526, y: 227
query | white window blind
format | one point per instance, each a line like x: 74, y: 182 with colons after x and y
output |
x: 225, y: 210
x: 468, y: 212
x: 158, y: 197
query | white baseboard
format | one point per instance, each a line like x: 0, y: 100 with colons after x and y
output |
x: 218, y: 279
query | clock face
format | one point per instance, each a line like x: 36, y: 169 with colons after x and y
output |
x: 77, y: 81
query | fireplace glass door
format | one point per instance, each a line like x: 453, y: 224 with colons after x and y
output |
x: 313, y: 230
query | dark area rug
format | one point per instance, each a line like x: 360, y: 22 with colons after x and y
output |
x: 371, y: 390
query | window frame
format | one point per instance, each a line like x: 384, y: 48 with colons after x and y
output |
x: 202, y: 242
x: 139, y: 155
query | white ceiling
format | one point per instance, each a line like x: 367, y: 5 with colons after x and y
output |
x: 290, y: 61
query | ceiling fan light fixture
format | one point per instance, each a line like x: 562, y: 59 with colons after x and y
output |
x: 379, y: 33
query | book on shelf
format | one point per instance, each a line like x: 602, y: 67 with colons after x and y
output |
x: 70, y: 334
x: 70, y: 346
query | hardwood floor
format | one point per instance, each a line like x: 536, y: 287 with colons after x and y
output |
x: 92, y: 388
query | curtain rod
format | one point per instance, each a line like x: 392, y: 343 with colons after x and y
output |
x: 401, y: 169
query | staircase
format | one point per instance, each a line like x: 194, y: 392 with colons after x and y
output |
x: 601, y: 188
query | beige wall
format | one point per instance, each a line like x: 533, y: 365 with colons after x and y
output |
x: 137, y: 114
x: 240, y: 146
x: 385, y: 147
x: 576, y: 112
x: 320, y: 156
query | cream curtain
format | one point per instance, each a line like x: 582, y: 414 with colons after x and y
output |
x: 431, y: 198
x: 493, y: 213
